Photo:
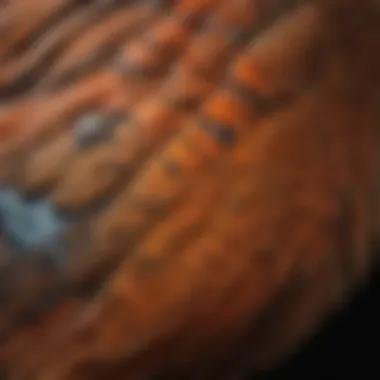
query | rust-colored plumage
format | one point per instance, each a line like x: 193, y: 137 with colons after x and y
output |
x: 188, y: 187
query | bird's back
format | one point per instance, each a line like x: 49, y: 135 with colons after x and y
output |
x: 187, y: 186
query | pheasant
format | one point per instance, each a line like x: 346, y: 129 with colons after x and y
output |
x: 188, y: 188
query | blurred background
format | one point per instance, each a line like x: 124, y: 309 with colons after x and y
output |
x: 347, y: 346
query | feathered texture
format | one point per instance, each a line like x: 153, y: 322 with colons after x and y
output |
x: 189, y: 188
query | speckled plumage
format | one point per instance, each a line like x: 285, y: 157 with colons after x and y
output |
x: 188, y: 188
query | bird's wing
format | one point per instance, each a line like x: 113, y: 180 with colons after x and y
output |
x: 184, y: 187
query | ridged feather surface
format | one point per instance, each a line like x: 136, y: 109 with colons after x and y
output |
x: 187, y: 187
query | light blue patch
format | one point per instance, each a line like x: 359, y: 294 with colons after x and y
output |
x: 32, y: 225
x: 95, y: 127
